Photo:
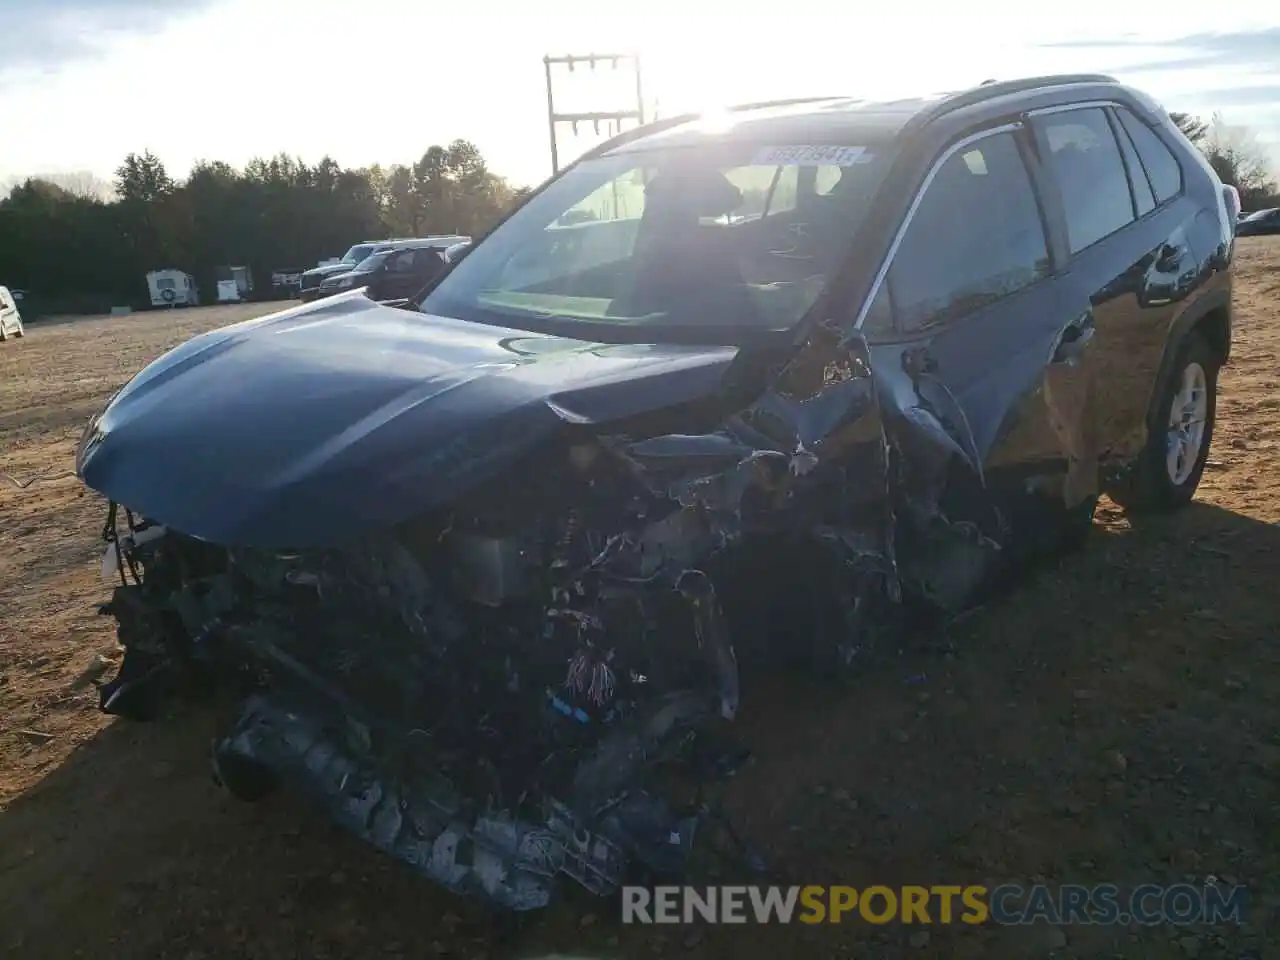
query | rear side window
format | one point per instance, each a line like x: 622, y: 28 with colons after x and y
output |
x: 977, y: 236
x: 1162, y: 166
x: 1085, y: 160
x: 1144, y: 200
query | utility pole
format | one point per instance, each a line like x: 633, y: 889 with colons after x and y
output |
x: 614, y: 117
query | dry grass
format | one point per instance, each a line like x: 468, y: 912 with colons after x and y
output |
x: 1155, y: 645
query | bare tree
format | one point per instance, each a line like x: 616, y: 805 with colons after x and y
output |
x: 1240, y: 160
x: 84, y: 184
x: 1192, y: 127
x: 80, y: 184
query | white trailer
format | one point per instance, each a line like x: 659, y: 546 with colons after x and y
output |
x: 171, y: 288
x: 10, y: 318
x: 234, y: 284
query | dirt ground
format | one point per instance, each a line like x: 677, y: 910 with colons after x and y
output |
x: 1115, y: 719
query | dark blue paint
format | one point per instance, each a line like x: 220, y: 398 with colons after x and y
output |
x: 302, y: 427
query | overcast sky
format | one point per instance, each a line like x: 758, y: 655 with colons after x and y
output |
x: 83, y: 82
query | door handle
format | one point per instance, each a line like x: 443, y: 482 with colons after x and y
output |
x: 1074, y: 341
x: 1170, y: 258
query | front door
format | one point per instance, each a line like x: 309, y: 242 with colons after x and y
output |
x: 983, y: 349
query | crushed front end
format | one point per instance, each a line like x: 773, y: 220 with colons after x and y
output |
x: 532, y: 682
x: 538, y: 677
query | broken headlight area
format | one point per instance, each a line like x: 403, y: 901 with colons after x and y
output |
x: 532, y: 683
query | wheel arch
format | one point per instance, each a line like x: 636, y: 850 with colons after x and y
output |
x: 1208, y: 316
x: 1215, y: 326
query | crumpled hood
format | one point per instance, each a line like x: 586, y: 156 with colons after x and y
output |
x: 303, y: 427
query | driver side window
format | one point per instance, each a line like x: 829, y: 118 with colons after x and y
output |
x: 976, y: 237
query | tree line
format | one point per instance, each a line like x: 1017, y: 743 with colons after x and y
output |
x: 73, y: 250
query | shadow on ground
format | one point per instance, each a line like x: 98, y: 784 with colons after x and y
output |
x: 1113, y: 719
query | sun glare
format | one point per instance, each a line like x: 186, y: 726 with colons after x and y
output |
x: 715, y: 119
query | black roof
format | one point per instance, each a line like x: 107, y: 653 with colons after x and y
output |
x: 837, y: 119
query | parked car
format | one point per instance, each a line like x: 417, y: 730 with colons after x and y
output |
x: 10, y: 316
x: 1260, y: 223
x: 309, y: 284
x: 485, y: 566
x: 286, y: 282
x: 400, y: 269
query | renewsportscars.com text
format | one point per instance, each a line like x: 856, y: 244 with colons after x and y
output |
x: 1009, y: 904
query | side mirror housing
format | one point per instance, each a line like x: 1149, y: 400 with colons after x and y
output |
x: 455, y: 253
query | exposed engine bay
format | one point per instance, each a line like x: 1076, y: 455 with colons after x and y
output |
x: 492, y: 691
x: 486, y: 693
x: 468, y: 692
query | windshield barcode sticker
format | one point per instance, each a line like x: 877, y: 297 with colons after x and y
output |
x: 817, y: 155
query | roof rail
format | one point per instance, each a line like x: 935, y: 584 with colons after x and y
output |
x: 789, y: 102
x: 987, y: 90
x: 991, y: 89
x: 658, y: 126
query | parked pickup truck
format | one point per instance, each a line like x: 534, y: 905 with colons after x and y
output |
x: 309, y: 286
x: 400, y: 269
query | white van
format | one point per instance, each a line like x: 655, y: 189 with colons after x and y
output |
x: 10, y: 318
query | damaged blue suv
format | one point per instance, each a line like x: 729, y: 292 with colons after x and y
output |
x: 482, y: 566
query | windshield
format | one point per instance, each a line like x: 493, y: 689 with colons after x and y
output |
x: 736, y: 236
x: 358, y: 252
x: 1260, y: 215
x: 371, y: 263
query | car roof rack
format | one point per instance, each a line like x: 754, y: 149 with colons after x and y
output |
x: 991, y: 89
x: 987, y: 90
x: 657, y: 126
x: 788, y: 102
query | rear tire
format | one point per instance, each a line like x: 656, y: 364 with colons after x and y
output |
x: 1169, y: 468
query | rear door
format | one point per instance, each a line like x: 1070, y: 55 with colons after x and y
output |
x: 984, y: 345
x: 428, y: 264
x: 1128, y: 230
